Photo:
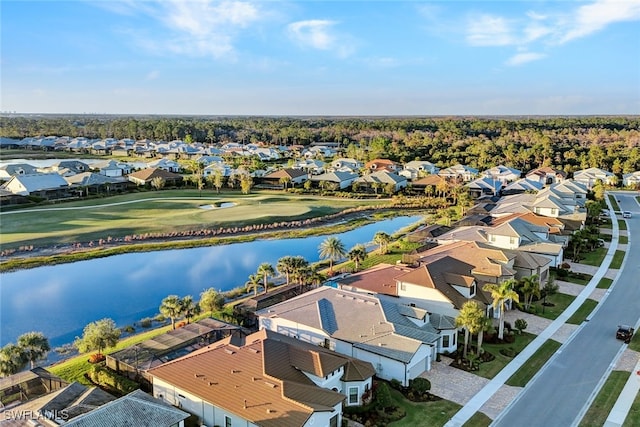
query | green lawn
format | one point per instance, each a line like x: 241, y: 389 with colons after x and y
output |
x: 604, y: 283
x: 623, y: 240
x: 491, y: 369
x: 604, y: 401
x: 622, y: 224
x: 582, y: 312
x: 146, y: 213
x: 523, y: 375
x: 618, y: 257
x: 606, y: 224
x: 478, y: 420
x: 633, y: 418
x: 614, y: 203
x: 427, y: 414
x: 560, y: 303
x: 594, y: 257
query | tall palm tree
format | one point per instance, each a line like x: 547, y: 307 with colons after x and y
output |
x: 285, y: 266
x: 189, y: 308
x: 486, y: 325
x: 357, y: 254
x: 299, y: 268
x: 530, y: 287
x: 254, y: 283
x: 469, y: 318
x: 501, y: 293
x: 382, y: 239
x: 34, y: 345
x: 265, y: 270
x: 172, y: 308
x: 333, y: 250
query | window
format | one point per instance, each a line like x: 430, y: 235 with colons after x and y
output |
x: 353, y: 395
x: 492, y: 238
x: 403, y: 287
x: 227, y: 421
x: 333, y: 422
x: 512, y: 240
x: 445, y: 340
x: 472, y: 289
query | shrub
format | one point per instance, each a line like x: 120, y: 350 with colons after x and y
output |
x: 383, y: 397
x: 521, y: 325
x: 562, y: 273
x: 507, y: 326
x: 112, y: 381
x: 146, y: 322
x: 129, y: 329
x: 420, y: 385
x: 565, y: 266
x: 160, y: 318
x: 509, y: 352
x: 396, y: 384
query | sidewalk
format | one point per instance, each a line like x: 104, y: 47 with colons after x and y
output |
x: 625, y: 400
x: 494, y: 385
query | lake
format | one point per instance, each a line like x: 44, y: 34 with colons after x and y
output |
x: 60, y: 300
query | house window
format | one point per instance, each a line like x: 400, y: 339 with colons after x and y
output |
x: 333, y: 422
x: 353, y: 395
x: 445, y: 340
x: 227, y: 421
x: 512, y: 240
x: 472, y: 289
x: 403, y: 287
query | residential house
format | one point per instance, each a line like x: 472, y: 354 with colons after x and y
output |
x: 417, y: 169
x: 92, y: 183
x: 399, y: 346
x: 483, y: 187
x: 113, y: 168
x: 631, y: 180
x: 136, y: 408
x: 589, y: 177
x: 286, y: 177
x: 383, y: 165
x: 214, y: 167
x: 382, y: 180
x: 503, y: 174
x: 45, y: 185
x: 146, y: 177
x: 264, y: 380
x: 346, y: 165
x: 7, y: 171
x: 433, y: 185
x: 547, y: 175
x: 522, y: 185
x: 311, y: 166
x: 459, y: 173
x: 66, y: 167
x: 381, y: 281
x: 341, y: 180
x: 208, y: 160
x: 319, y: 152
x: 166, y: 164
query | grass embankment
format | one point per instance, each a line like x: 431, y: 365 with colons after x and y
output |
x: 616, y: 263
x: 622, y: 224
x: 527, y: 371
x: 604, y: 283
x: 623, y: 240
x: 582, y: 312
x: 614, y: 203
x: 604, y: 401
x: 594, y: 257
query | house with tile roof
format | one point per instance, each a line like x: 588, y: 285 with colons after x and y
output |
x: 547, y: 175
x: 146, y: 176
x: 45, y: 185
x: 136, y: 408
x: 346, y: 165
x: 417, y: 169
x: 295, y: 177
x: 522, y: 185
x: 265, y: 379
x: 459, y: 173
x: 383, y: 165
x: 502, y: 173
x: 589, y: 177
x: 397, y: 340
x: 341, y: 179
x: 381, y: 179
x: 484, y: 186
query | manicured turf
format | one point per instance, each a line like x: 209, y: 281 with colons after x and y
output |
x: 604, y: 283
x: 618, y: 257
x: 523, y: 375
x: 614, y: 203
x: 594, y: 257
x: 427, y: 414
x: 633, y: 417
x: 604, y: 401
x: 491, y: 369
x: 146, y: 213
x: 560, y: 303
x: 622, y: 224
x: 623, y: 240
x: 582, y: 312
x: 478, y: 420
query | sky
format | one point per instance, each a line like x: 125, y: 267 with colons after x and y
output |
x: 332, y: 58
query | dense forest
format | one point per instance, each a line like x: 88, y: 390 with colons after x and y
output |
x: 568, y: 143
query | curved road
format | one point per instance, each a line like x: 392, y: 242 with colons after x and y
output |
x: 561, y: 392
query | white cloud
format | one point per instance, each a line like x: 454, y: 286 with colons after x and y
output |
x: 488, y: 30
x: 320, y: 34
x: 598, y: 15
x: 524, y: 57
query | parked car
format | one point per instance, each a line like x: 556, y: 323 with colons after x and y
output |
x: 626, y: 214
x: 624, y: 333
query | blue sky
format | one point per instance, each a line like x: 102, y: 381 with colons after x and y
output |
x: 321, y: 57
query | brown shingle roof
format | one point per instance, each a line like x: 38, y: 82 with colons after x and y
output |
x: 149, y: 174
x: 288, y: 172
x: 379, y: 279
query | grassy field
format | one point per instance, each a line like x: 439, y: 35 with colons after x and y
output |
x: 623, y: 240
x: 618, y: 257
x: 604, y: 283
x: 560, y: 303
x: 523, y: 375
x: 582, y: 312
x: 491, y: 369
x: 622, y: 224
x: 159, y: 212
x: 604, y: 401
x: 594, y: 257
x: 427, y: 414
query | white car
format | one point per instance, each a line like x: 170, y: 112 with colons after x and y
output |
x: 626, y: 214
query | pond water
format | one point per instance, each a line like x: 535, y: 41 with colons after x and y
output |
x: 60, y: 300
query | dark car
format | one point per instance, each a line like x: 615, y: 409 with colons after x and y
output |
x: 624, y: 333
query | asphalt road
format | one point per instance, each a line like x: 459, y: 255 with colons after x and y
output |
x: 558, y: 395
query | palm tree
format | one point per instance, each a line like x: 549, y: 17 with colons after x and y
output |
x: 34, y: 345
x: 333, y: 250
x: 189, y: 307
x: 285, y: 180
x: 12, y: 360
x: 172, y: 308
x: 265, y: 270
x: 486, y: 325
x: 530, y: 287
x: 382, y: 239
x: 299, y: 268
x: 254, y: 283
x: 469, y: 318
x: 357, y: 254
x: 501, y: 293
x: 285, y: 266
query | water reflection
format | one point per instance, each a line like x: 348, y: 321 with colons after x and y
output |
x: 60, y: 300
